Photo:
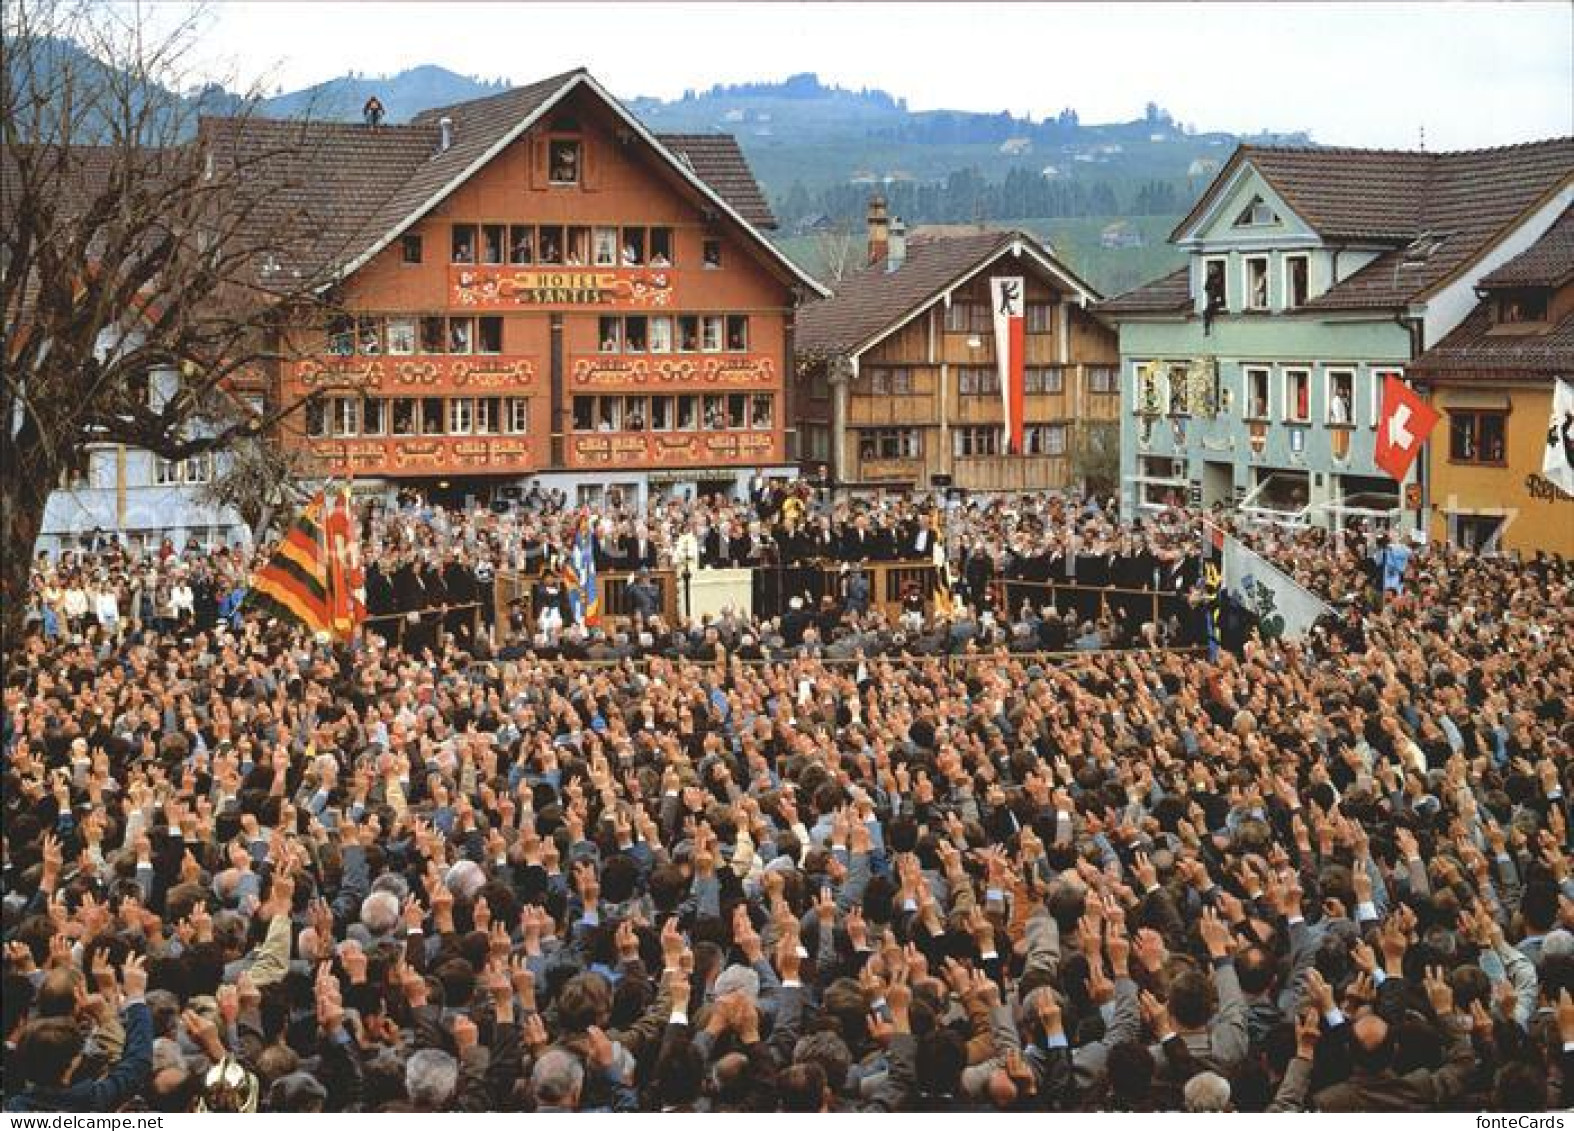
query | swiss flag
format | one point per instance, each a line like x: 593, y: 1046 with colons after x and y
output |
x: 1402, y: 427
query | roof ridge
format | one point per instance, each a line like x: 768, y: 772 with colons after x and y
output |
x: 1381, y: 151
x: 434, y: 112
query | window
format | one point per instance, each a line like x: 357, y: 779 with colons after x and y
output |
x: 1213, y: 285
x: 1379, y: 378
x: 578, y: 253
x: 737, y: 410
x: 488, y: 416
x: 341, y: 336
x: 431, y: 416
x: 634, y: 414
x: 411, y: 246
x: 661, y: 414
x: 711, y: 333
x: 1044, y: 439
x: 550, y: 246
x: 610, y: 333
x: 463, y: 245
x: 1341, y: 397
x: 197, y: 469
x: 661, y: 247
x: 975, y: 440
x: 1050, y: 379
x: 711, y: 254
x: 661, y: 335
x: 633, y: 247
x: 894, y: 381
x: 522, y: 244
x: 1150, y: 394
x: 688, y: 333
x: 978, y: 381
x: 494, y: 241
x: 1477, y: 437
x: 1040, y: 318
x: 604, y: 247
x: 1256, y: 267
x: 369, y: 336
x: 635, y: 333
x: 967, y: 318
x: 461, y: 335
x: 563, y: 161
x: 372, y: 412
x: 401, y: 336
x: 1257, y: 214
x: 714, y: 414
x: 461, y: 416
x: 737, y: 332
x: 584, y: 414
x: 889, y: 443
x: 1101, y: 380
x: 1297, y: 395
x: 434, y: 334
x: 489, y: 331
x: 762, y: 410
x: 688, y: 413
x: 402, y: 416
x: 1256, y: 393
x: 345, y: 416
x: 518, y: 418
x: 316, y: 421
x: 1297, y: 281
x: 1179, y: 389
x: 1522, y: 306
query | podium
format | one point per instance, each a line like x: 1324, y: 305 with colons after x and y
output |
x: 712, y: 590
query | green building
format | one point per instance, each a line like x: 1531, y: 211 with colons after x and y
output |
x: 1251, y: 377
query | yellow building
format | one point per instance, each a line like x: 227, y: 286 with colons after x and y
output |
x: 1492, y: 380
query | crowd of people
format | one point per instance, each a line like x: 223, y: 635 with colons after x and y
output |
x: 826, y: 860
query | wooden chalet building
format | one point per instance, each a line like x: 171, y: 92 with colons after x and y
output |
x: 900, y: 387
x: 533, y: 287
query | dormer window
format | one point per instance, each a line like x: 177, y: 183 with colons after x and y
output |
x: 1518, y: 307
x: 1257, y: 214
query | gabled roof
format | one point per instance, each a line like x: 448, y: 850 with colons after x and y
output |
x: 368, y: 185
x: 1459, y: 203
x: 717, y: 160
x: 1165, y: 295
x: 873, y: 301
x: 1549, y: 262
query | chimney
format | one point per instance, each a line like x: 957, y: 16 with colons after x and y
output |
x: 879, y: 230
x: 445, y: 134
x: 896, y: 253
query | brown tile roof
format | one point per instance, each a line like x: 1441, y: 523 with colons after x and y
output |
x: 356, y: 186
x: 873, y: 299
x: 1166, y: 295
x: 1549, y: 262
x: 1470, y: 350
x: 717, y: 160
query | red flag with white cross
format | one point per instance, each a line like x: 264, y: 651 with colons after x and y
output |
x: 1402, y: 427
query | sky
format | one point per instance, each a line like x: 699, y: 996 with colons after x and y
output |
x: 1468, y: 74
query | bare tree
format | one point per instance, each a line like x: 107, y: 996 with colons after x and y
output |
x: 837, y: 251
x: 259, y: 479
x: 149, y: 265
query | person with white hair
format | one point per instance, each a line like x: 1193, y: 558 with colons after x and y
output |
x: 557, y: 1080
x: 431, y: 1077
x: 1207, y: 1092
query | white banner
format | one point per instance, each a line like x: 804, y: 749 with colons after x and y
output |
x: 1557, y: 465
x: 1007, y: 301
x: 1283, y: 607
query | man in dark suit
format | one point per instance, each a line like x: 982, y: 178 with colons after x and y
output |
x: 639, y: 552
x: 459, y: 584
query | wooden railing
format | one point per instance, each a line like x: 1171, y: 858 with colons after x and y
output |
x: 512, y: 586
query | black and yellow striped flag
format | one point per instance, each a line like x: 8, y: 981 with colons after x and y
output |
x: 293, y: 583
